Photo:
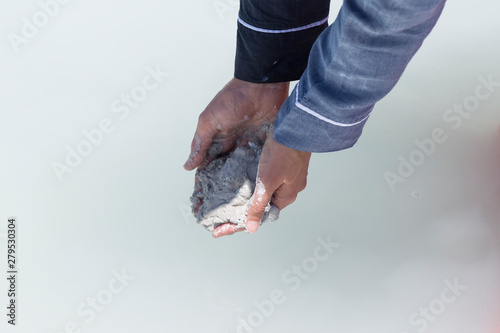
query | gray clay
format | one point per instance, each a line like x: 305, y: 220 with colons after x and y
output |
x: 225, y: 187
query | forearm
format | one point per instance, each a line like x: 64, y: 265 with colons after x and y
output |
x: 353, y: 64
x: 275, y: 37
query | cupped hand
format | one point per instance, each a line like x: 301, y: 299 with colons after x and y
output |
x: 281, y: 175
x: 238, y: 107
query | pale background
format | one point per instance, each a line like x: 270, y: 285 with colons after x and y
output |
x: 126, y: 206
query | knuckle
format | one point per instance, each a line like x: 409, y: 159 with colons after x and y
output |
x: 281, y: 201
x: 302, y: 185
x: 255, y: 210
x: 258, y: 206
x: 204, y: 118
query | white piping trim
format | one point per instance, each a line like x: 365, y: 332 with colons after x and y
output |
x: 269, y: 31
x: 317, y: 115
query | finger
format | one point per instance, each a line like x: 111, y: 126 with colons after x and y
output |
x: 198, y: 205
x: 226, y: 229
x: 199, y: 146
x: 218, y: 147
x: 204, y: 135
x: 197, y: 189
x: 256, y: 209
x: 207, y: 144
x: 284, y: 196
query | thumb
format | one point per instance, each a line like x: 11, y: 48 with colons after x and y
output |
x: 256, y: 209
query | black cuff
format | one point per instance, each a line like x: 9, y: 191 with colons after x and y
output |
x: 273, y: 57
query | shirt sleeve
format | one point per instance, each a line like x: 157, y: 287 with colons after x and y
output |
x: 353, y: 64
x: 275, y: 37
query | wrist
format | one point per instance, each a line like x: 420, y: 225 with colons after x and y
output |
x: 300, y: 153
x: 256, y: 88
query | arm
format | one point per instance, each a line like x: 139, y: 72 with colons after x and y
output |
x: 274, y: 40
x: 275, y: 37
x: 273, y: 43
x: 352, y: 65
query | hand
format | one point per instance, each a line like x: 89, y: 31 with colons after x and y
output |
x: 237, y: 107
x: 282, y: 174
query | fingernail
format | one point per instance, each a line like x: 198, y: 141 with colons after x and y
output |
x: 252, y: 226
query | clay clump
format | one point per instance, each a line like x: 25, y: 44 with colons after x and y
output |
x: 225, y: 187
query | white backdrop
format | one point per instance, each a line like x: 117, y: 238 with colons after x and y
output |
x: 106, y: 242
